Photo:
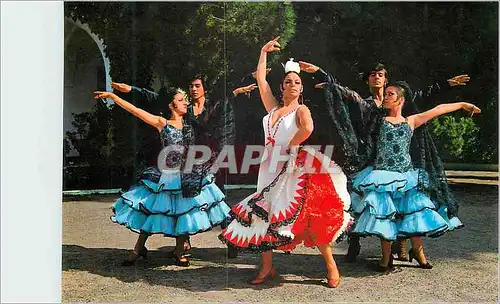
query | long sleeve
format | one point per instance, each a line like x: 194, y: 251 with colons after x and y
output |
x: 358, y: 107
x: 216, y: 125
x: 339, y: 111
x: 426, y: 98
x: 145, y: 93
x: 215, y: 128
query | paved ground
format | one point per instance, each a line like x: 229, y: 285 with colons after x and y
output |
x: 465, y: 263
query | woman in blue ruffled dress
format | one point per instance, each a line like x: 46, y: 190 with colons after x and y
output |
x: 168, y: 202
x: 390, y: 198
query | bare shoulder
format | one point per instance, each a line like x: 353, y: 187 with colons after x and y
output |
x: 303, y: 115
x: 411, y: 121
x: 162, y: 122
x: 303, y: 110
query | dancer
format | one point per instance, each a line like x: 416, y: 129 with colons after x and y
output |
x: 214, y: 126
x: 290, y: 206
x: 356, y: 122
x: 213, y: 121
x: 158, y: 204
x: 392, y: 201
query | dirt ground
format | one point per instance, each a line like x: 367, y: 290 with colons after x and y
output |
x: 465, y: 263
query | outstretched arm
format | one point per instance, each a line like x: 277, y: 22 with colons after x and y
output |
x: 427, y: 95
x: 264, y: 89
x: 318, y: 74
x: 155, y: 121
x: 246, y: 90
x: 417, y: 120
x: 330, y: 82
x: 125, y: 88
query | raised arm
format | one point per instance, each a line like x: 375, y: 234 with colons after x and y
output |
x: 155, y: 121
x: 417, y: 120
x: 264, y: 89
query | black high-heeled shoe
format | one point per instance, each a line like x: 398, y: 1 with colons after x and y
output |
x: 353, y: 250
x: 390, y: 265
x: 143, y: 252
x: 413, y: 255
x: 187, y: 249
x: 178, y: 262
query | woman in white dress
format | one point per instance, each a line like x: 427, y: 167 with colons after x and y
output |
x: 303, y: 200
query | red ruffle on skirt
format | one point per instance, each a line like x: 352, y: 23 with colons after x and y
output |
x: 322, y: 214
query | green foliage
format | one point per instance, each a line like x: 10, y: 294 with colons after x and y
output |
x: 457, y: 138
x: 220, y: 39
x: 421, y: 42
x: 172, y: 41
x: 175, y: 40
x: 127, y: 43
x: 92, y: 137
x: 113, y: 144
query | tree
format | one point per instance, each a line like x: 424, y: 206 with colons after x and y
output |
x: 171, y: 42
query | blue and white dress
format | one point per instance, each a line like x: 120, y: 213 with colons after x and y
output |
x: 160, y: 203
x: 389, y: 199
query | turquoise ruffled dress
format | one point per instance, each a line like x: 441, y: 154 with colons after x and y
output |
x: 387, y: 200
x: 156, y: 205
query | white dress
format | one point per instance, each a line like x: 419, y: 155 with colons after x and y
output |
x: 292, y: 207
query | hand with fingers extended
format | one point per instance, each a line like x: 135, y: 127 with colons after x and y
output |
x: 320, y: 85
x: 272, y: 46
x: 121, y: 87
x: 459, y: 80
x: 472, y: 109
x: 245, y: 90
x: 308, y: 67
x: 104, y: 95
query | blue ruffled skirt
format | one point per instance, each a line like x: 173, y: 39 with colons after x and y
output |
x: 388, y: 204
x: 159, y: 207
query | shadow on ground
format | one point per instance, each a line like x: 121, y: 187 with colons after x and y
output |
x: 209, y: 270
